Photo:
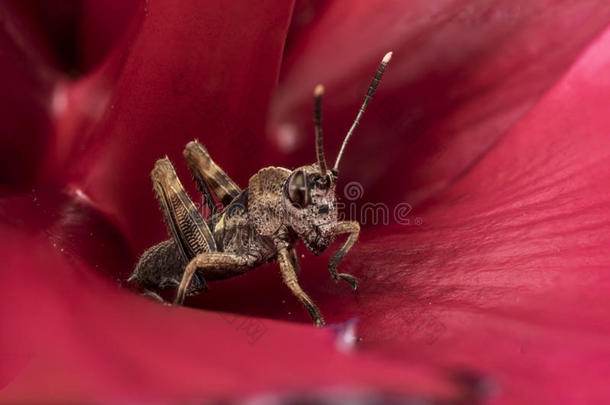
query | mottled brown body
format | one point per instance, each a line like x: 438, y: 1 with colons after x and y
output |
x: 232, y: 231
x: 259, y: 224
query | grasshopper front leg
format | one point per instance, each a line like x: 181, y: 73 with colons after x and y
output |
x: 295, y: 261
x: 290, y: 279
x: 353, y: 228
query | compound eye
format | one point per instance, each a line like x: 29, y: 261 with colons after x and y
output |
x: 297, y: 189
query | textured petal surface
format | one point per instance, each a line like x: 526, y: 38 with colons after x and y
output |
x: 501, y: 276
x: 70, y: 336
x: 509, y: 274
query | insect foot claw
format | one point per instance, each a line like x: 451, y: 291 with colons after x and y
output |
x: 350, y: 279
x: 318, y: 322
x: 154, y: 296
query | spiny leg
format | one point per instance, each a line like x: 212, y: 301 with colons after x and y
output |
x: 353, y: 228
x: 295, y: 261
x: 208, y: 195
x: 205, y: 172
x: 290, y: 279
x: 189, y: 230
x: 218, y: 261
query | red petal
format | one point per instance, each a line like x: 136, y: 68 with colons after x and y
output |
x: 79, y: 32
x: 194, y: 71
x: 463, y: 73
x: 54, y: 25
x: 101, y: 25
x: 508, y: 276
x: 45, y: 112
x: 27, y: 79
x: 69, y: 336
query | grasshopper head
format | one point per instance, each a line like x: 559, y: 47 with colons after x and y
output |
x: 309, y: 198
x: 310, y: 205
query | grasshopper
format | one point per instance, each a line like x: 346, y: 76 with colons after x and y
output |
x: 256, y: 225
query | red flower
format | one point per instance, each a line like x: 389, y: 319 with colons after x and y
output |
x: 490, y: 124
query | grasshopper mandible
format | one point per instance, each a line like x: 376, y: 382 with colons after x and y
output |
x: 259, y: 224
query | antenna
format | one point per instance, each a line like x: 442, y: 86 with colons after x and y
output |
x: 365, y: 103
x: 317, y: 120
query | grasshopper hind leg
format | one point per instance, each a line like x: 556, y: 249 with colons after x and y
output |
x: 163, y: 265
x: 207, y: 172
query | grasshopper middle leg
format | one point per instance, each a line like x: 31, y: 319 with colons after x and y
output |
x: 223, y: 264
